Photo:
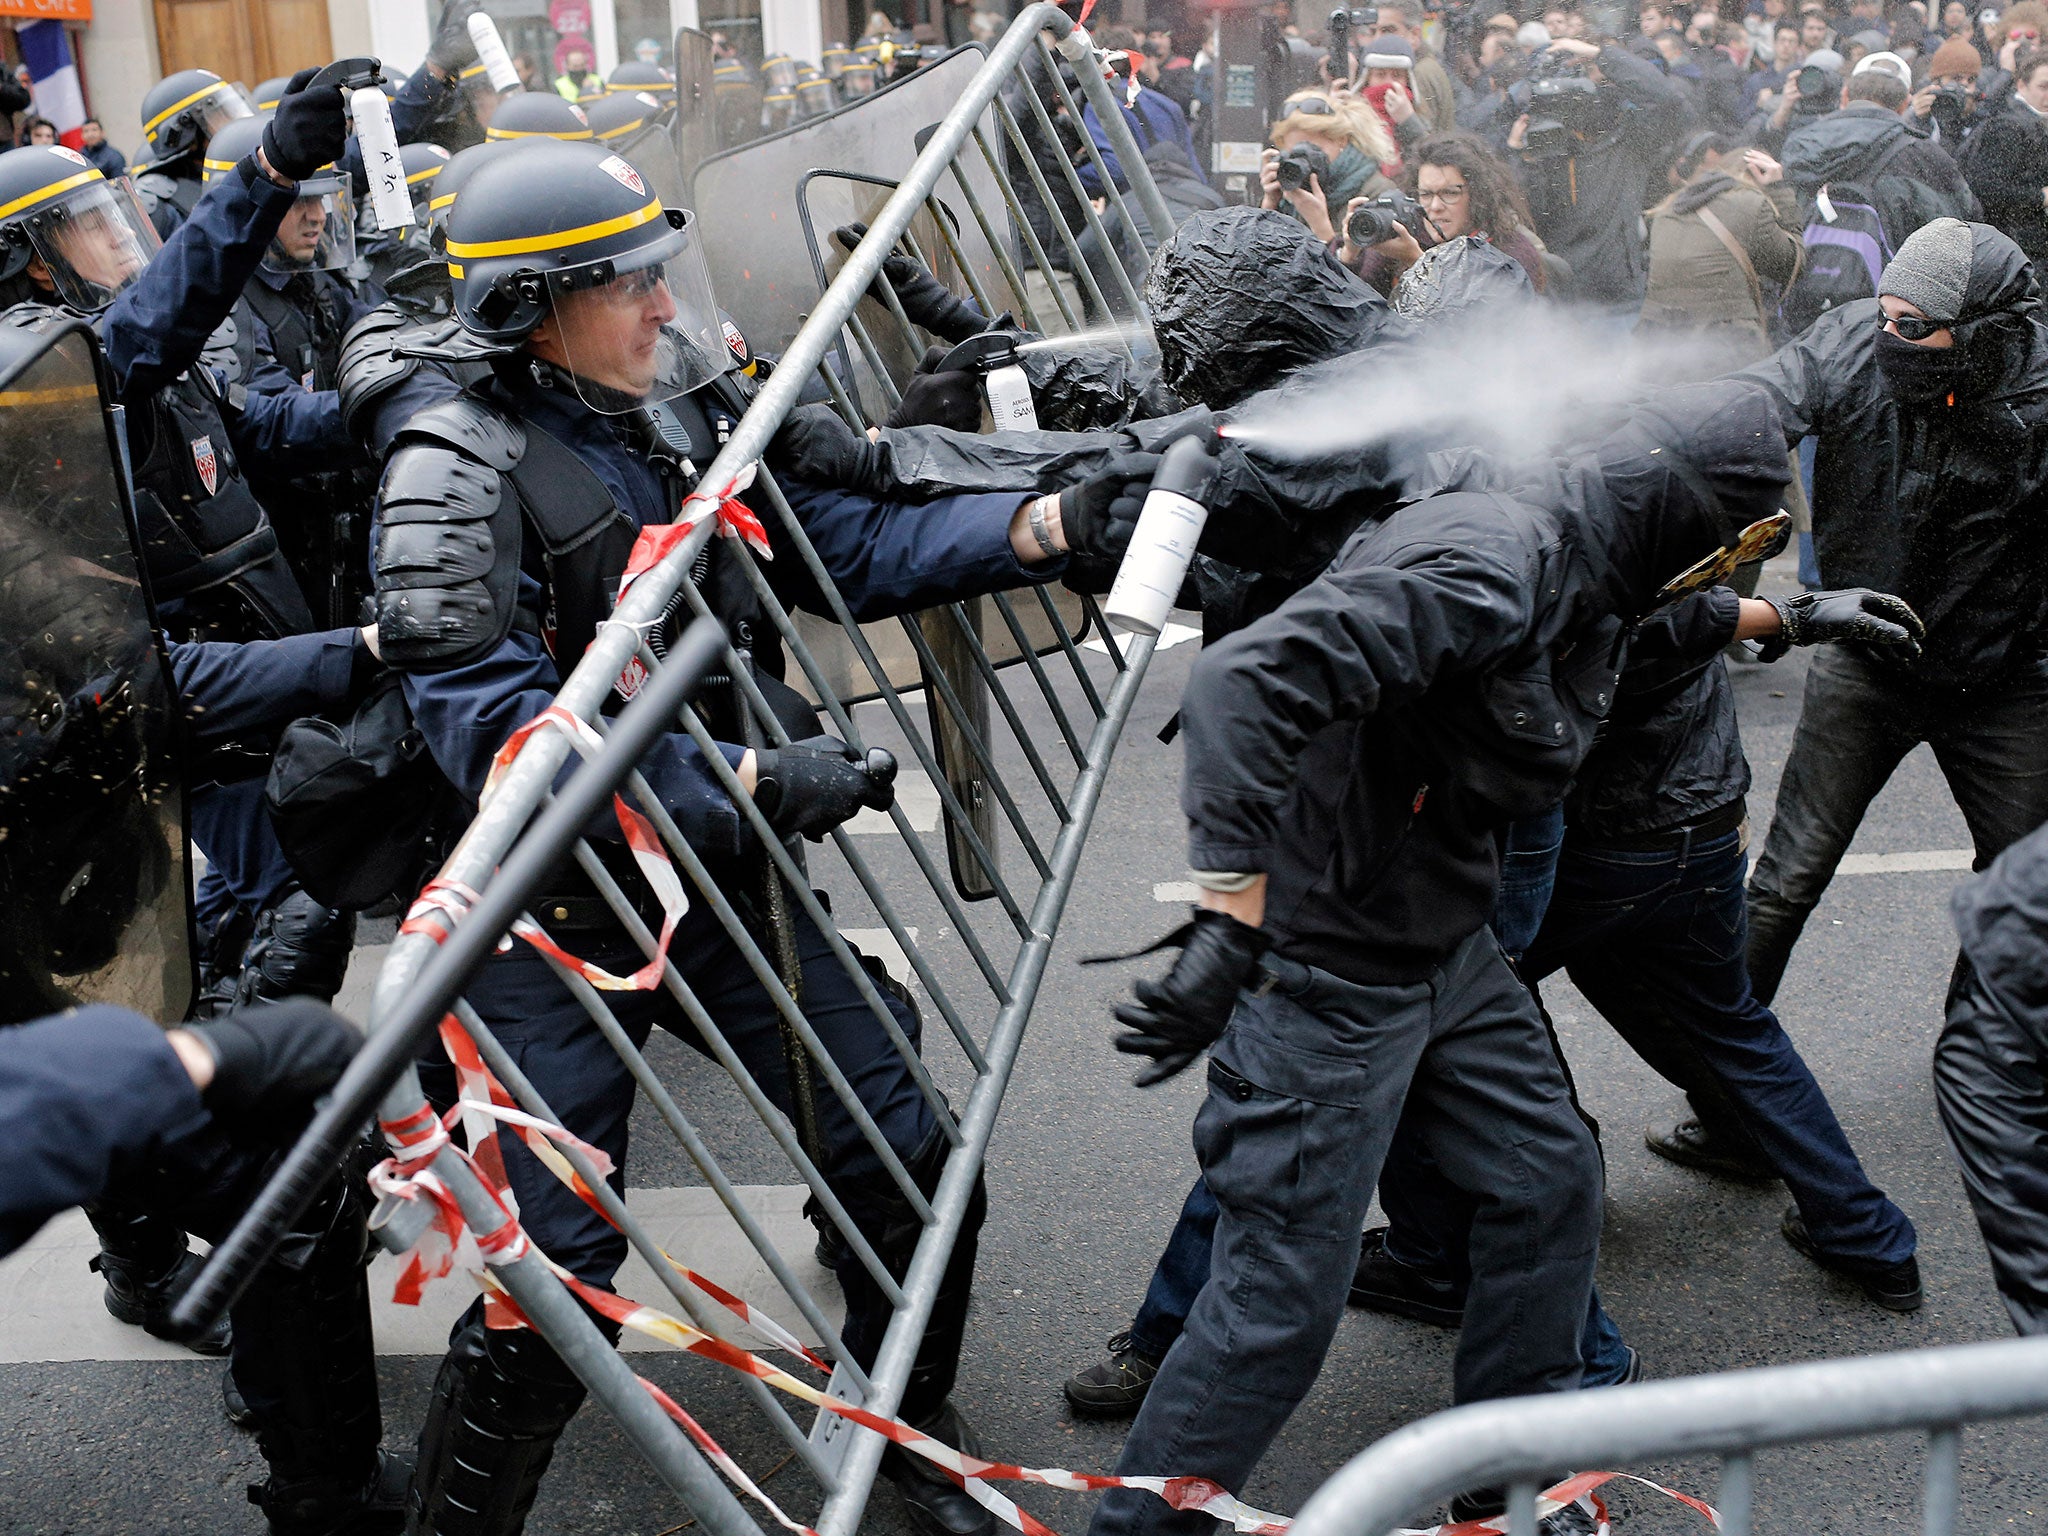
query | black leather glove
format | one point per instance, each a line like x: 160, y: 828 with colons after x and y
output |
x: 1855, y: 613
x: 934, y: 399
x: 810, y: 787
x: 1098, y: 516
x: 814, y: 444
x: 1176, y: 1018
x: 308, y: 130
x: 272, y: 1064
x: 452, y: 50
x: 927, y: 301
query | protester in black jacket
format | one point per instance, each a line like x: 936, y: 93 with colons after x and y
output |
x: 1991, y: 1070
x: 2008, y: 163
x: 1930, y: 481
x: 1349, y: 761
x: 1588, y: 202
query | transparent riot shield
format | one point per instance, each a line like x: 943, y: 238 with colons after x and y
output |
x: 93, y: 876
x: 695, y: 129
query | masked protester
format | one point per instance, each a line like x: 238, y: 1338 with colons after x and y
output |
x: 1444, y: 676
x: 1927, y: 404
x: 610, y: 370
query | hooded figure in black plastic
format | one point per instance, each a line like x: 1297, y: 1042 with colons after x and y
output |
x: 1242, y: 297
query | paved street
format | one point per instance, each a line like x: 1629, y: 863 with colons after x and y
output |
x: 104, y: 1431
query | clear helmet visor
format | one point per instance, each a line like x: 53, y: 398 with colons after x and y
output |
x: 638, y: 330
x: 224, y: 106
x: 92, y: 242
x: 318, y: 232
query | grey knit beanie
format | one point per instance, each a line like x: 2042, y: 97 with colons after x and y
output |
x: 1932, y: 269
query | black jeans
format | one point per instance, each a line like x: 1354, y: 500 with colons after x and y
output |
x: 1857, y: 722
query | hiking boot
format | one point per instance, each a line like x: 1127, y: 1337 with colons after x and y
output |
x: 1382, y: 1283
x: 328, y: 1505
x: 1691, y: 1145
x: 1895, y: 1287
x: 1112, y: 1388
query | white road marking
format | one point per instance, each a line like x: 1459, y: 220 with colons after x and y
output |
x: 881, y: 943
x: 1176, y: 891
x: 1905, y: 863
x: 1169, y: 636
x: 50, y: 1307
x: 920, y: 803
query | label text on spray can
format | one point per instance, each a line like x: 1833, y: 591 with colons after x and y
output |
x: 1156, y: 564
x: 381, y: 163
x: 1009, y: 400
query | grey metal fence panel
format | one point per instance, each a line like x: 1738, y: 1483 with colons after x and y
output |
x: 992, y: 702
x: 1732, y: 1415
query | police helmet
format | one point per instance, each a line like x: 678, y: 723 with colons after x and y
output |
x: 571, y: 235
x: 267, y: 95
x: 620, y: 117
x: 538, y: 115
x: 181, y: 112
x: 300, y: 245
x: 422, y: 163
x: 460, y: 167
x: 650, y: 79
x: 90, y: 234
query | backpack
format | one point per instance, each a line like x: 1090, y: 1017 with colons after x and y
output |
x: 1847, y: 248
x: 355, y: 800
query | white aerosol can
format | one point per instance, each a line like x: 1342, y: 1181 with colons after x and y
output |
x: 379, y: 143
x: 1149, y: 580
x: 490, y: 52
x: 1005, y: 387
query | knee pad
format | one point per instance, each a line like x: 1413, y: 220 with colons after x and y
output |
x: 300, y: 949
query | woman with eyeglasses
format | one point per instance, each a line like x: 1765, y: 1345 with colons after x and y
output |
x: 1349, y: 133
x: 1464, y: 190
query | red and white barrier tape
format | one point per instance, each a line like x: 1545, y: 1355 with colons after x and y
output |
x: 406, y: 1176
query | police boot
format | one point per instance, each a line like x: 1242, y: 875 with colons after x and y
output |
x: 305, y: 1361
x: 501, y: 1401
x: 146, y: 1265
x: 300, y: 949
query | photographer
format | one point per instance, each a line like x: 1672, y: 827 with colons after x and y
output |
x: 1460, y: 188
x: 1587, y: 156
x: 1866, y: 147
x: 1946, y: 106
x: 2008, y: 166
x: 1328, y: 151
x: 1810, y: 92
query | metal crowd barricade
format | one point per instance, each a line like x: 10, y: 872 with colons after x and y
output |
x: 1521, y: 1442
x: 1039, y: 757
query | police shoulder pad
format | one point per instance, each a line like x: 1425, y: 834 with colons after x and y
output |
x: 370, y: 367
x: 469, y: 424
x: 154, y: 187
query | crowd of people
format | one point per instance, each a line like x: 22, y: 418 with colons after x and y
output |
x: 1462, y: 720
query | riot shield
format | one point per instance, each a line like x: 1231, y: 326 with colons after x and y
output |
x: 93, y: 871
x: 752, y: 212
x: 695, y: 129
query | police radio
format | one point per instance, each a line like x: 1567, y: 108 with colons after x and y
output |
x: 1006, y: 392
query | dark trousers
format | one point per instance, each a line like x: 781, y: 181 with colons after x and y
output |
x: 1991, y: 1082
x: 554, y: 1042
x: 246, y: 870
x: 1857, y: 721
x: 1305, y: 1088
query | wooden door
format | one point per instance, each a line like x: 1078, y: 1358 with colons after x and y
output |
x: 244, y: 40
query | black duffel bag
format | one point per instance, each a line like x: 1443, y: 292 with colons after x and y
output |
x: 356, y: 800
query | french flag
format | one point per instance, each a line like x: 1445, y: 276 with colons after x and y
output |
x: 53, y: 77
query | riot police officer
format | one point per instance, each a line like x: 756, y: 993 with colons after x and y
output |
x: 180, y: 115
x: 293, y: 313
x: 538, y: 114
x: 520, y: 498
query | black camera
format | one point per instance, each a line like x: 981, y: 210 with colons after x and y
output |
x: 1298, y: 166
x: 1814, y: 82
x: 1559, y: 101
x: 1370, y: 223
x: 1950, y: 106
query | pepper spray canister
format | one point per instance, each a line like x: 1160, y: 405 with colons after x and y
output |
x: 490, y: 52
x: 1006, y: 392
x: 378, y: 140
x: 1163, y: 545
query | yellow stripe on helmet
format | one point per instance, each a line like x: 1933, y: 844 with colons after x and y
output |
x: 44, y: 194
x: 179, y: 106
x: 555, y: 242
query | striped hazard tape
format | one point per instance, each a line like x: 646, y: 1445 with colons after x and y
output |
x: 448, y: 1245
